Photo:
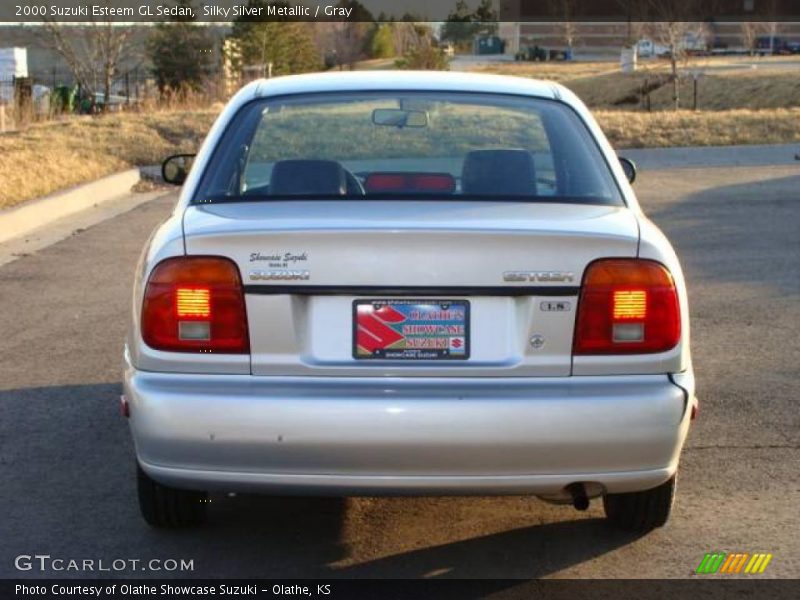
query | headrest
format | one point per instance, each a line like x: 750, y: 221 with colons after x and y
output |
x: 312, y: 177
x: 499, y: 172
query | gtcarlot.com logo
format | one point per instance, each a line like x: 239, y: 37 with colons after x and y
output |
x: 45, y: 562
x: 735, y: 562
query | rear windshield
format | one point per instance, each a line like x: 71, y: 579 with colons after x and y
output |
x: 407, y: 145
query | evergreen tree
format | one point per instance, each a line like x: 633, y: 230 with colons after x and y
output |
x: 182, y: 53
x: 288, y: 45
x: 485, y: 17
x: 360, y: 13
x: 383, y: 42
x: 462, y: 25
x: 458, y: 27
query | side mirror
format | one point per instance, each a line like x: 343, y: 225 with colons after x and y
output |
x: 629, y: 167
x: 176, y: 168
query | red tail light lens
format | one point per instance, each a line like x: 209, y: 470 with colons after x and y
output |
x: 195, y: 304
x: 385, y: 182
x: 434, y: 182
x: 410, y: 182
x: 627, y: 306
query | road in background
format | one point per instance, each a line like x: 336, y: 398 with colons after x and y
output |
x: 67, y: 467
x: 714, y: 156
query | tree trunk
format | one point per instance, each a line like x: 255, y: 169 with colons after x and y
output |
x: 106, y: 89
x: 676, y: 100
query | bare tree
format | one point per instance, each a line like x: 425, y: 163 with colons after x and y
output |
x: 348, y: 40
x: 565, y: 11
x: 422, y: 51
x: 770, y: 27
x: 93, y: 56
x: 633, y: 27
x: 674, y: 35
x: 752, y: 30
x: 677, y: 35
x: 770, y: 10
x: 405, y: 36
x: 749, y: 32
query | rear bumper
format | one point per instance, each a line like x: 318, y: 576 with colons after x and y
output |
x: 407, y: 436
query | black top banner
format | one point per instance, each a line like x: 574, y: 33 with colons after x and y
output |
x: 225, y: 11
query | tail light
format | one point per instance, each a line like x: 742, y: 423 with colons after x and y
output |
x: 627, y: 306
x: 410, y: 182
x: 195, y: 304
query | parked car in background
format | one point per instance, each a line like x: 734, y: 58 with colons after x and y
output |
x: 646, y: 48
x: 766, y: 45
x: 408, y: 283
x: 691, y: 44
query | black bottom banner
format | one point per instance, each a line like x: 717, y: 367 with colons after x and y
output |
x: 388, y: 589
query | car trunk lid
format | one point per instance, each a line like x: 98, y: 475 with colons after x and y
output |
x: 517, y: 265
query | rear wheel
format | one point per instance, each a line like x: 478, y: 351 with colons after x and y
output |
x: 641, y: 511
x: 163, y: 506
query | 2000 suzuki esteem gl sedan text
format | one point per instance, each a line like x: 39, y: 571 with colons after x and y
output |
x: 408, y: 283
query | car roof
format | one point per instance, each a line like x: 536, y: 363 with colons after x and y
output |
x: 442, y: 81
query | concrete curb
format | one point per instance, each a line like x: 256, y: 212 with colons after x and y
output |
x: 18, y: 221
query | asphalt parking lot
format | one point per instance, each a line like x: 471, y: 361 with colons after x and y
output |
x: 66, y: 460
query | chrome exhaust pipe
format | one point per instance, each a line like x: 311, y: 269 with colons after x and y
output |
x: 580, y: 501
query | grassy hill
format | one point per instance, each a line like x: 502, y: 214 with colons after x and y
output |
x: 724, y: 84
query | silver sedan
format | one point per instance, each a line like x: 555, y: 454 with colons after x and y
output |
x: 408, y: 283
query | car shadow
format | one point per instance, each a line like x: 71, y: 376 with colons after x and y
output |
x: 744, y: 233
x: 739, y: 248
x: 260, y: 536
x: 524, y: 553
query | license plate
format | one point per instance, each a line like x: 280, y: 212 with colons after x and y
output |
x: 411, y: 329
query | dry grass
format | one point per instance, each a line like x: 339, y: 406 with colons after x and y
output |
x: 553, y: 71
x: 726, y: 84
x: 599, y: 85
x: 628, y: 129
x: 612, y: 90
x: 737, y: 105
x: 735, y: 90
x: 46, y: 158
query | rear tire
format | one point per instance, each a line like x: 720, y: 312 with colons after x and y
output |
x: 163, y: 506
x: 641, y: 511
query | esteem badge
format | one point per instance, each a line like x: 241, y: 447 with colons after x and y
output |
x: 542, y: 276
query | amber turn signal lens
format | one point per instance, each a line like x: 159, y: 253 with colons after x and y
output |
x: 193, y: 302
x: 630, y: 304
